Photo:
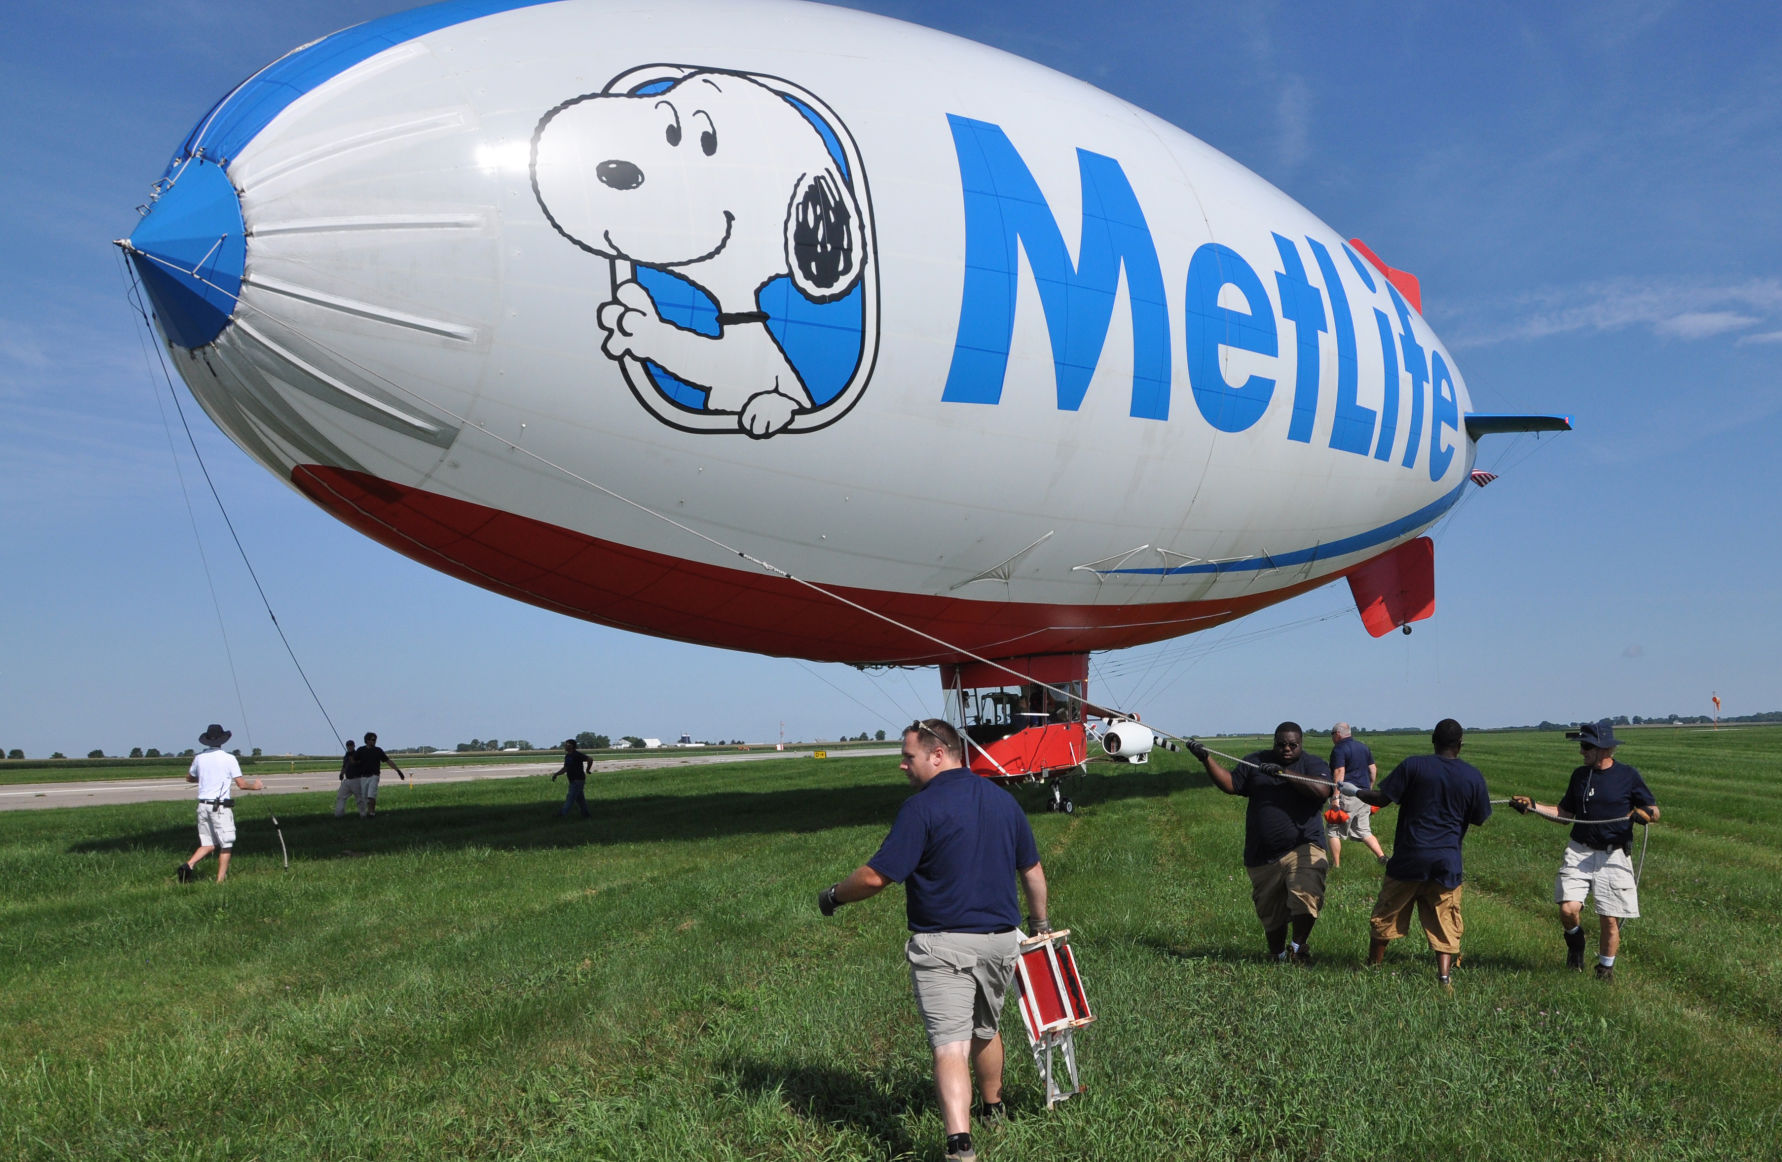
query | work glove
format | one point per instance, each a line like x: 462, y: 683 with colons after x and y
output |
x: 1522, y: 803
x: 1039, y: 925
x: 1197, y: 749
x: 1643, y: 814
x: 1269, y: 768
x: 826, y: 901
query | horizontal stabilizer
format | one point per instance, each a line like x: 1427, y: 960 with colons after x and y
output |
x: 1478, y: 424
x: 1396, y: 588
x: 1404, y: 280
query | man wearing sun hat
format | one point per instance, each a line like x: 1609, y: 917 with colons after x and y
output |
x: 218, y: 775
x: 1597, y: 860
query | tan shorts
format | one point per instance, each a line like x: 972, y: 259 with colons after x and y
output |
x: 368, y: 785
x: 1290, y: 886
x: 960, y: 979
x: 1438, y: 909
x: 1607, y: 874
x: 1360, y: 824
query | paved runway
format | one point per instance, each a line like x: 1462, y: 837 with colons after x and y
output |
x: 25, y: 796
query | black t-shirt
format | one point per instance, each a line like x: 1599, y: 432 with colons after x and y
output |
x: 1282, y: 813
x: 575, y: 765
x: 367, y: 760
x: 1438, y: 799
x: 1595, y: 794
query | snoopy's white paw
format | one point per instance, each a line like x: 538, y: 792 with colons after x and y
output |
x: 628, y: 321
x: 766, y: 413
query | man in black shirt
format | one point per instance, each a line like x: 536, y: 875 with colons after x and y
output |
x: 1439, y: 797
x: 1283, y: 834
x: 368, y: 760
x: 1597, y: 858
x: 575, y: 765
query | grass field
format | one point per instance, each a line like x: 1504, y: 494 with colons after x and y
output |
x: 468, y: 976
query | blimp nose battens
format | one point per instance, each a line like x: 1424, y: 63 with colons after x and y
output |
x: 190, y: 250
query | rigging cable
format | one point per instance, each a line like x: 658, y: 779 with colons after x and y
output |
x: 136, y: 300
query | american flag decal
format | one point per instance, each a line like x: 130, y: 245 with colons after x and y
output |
x: 1483, y: 478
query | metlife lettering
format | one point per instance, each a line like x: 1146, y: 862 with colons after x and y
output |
x: 1007, y: 214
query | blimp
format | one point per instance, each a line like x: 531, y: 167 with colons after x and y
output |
x: 792, y: 329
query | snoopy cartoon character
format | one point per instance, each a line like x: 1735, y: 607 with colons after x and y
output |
x: 726, y: 184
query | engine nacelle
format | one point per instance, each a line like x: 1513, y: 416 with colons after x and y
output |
x: 1128, y: 741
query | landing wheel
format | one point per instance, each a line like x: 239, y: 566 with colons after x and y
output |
x: 1059, y: 802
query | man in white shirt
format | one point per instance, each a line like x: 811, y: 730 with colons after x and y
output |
x: 218, y: 775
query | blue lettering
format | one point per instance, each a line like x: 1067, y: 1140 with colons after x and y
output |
x: 1353, y: 428
x: 1417, y: 368
x: 1444, y: 412
x: 1389, y: 401
x: 1301, y: 302
x: 1004, y: 209
x: 1210, y: 326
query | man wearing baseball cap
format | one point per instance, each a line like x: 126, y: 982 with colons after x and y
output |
x: 217, y: 774
x: 1597, y: 857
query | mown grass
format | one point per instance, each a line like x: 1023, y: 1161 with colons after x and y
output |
x: 469, y: 977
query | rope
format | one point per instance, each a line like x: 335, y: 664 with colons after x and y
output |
x: 191, y: 513
x: 215, y: 495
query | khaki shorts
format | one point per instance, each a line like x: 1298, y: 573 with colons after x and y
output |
x: 960, y: 979
x: 1290, y: 886
x: 1607, y: 874
x: 1360, y: 824
x: 1438, y: 909
x: 216, y: 827
x: 368, y: 785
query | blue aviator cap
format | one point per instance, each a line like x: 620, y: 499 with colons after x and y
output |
x: 190, y: 250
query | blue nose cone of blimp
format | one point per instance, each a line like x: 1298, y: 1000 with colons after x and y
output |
x: 190, y: 251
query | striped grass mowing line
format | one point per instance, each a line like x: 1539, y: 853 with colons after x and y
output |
x: 468, y: 976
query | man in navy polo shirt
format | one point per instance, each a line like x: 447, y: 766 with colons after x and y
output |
x: 1438, y: 797
x: 1352, y: 766
x: 1597, y: 858
x: 957, y: 845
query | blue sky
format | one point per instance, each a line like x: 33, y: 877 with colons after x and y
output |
x: 1589, y: 193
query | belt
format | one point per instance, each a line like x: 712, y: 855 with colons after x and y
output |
x: 218, y: 802
x: 1623, y: 847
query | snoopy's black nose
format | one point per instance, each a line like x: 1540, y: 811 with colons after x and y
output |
x: 620, y: 175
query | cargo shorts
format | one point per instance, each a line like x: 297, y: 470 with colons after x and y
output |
x: 1360, y: 824
x: 1608, y: 874
x: 1438, y: 910
x: 216, y: 826
x: 1290, y: 886
x: 960, y: 979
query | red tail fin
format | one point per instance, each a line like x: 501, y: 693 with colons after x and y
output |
x: 1396, y: 588
x: 1404, y: 280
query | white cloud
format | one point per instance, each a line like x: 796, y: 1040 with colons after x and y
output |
x: 1634, y: 651
x: 1689, y: 311
x: 1765, y: 337
x: 1703, y: 324
x: 1294, y: 111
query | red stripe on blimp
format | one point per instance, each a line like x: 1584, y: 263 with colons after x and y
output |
x: 736, y: 609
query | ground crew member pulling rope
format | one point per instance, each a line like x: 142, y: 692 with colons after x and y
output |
x: 1283, y: 834
x: 1438, y: 797
x: 956, y: 846
x: 216, y: 772
x: 1597, y: 857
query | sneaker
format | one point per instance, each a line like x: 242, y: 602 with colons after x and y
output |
x: 1574, y: 950
x: 993, y: 1113
x: 1605, y: 972
x: 184, y: 873
x: 959, y: 1148
x: 1299, y: 954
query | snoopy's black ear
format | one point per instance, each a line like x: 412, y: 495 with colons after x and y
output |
x: 824, y: 246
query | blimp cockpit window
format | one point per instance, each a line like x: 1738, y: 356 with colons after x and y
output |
x: 993, y: 714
